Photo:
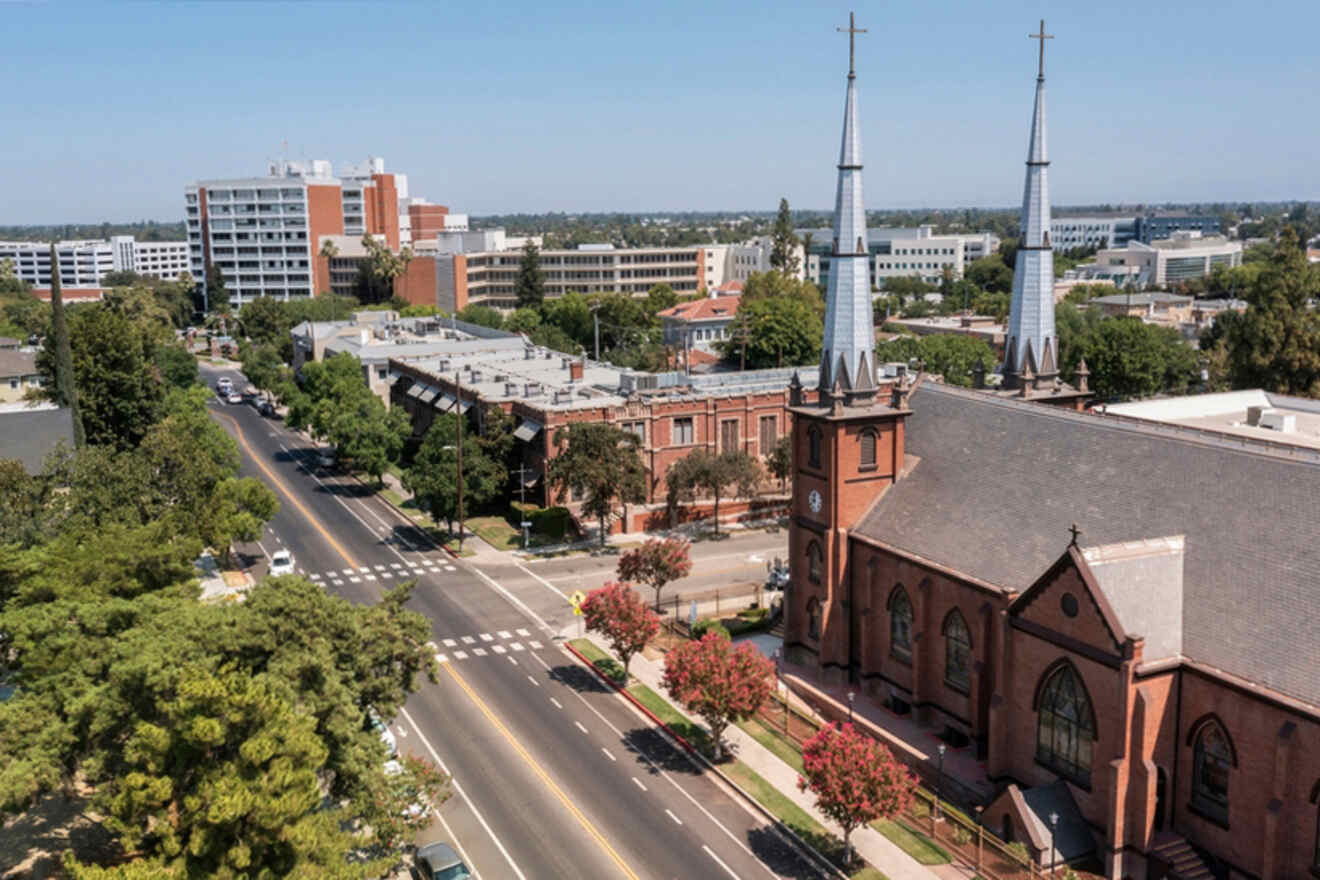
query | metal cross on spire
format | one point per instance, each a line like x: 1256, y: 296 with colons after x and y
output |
x: 1042, y: 36
x: 852, y: 30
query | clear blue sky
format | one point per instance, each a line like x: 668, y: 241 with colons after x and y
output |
x: 109, y: 110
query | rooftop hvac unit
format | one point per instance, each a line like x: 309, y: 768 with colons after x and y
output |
x: 565, y: 362
x: 476, y: 375
x: 531, y: 389
x: 500, y: 377
x: 549, y: 355
x: 529, y: 354
x: 563, y: 396
x: 1278, y: 421
x: 1254, y: 413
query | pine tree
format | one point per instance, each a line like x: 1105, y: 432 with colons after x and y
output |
x: 66, y: 393
x: 783, y: 249
x: 530, y: 286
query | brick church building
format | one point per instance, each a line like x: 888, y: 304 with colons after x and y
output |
x: 1122, y: 615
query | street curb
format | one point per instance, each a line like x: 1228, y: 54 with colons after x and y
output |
x: 778, y: 824
x: 394, y: 507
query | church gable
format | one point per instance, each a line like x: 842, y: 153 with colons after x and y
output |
x: 1067, y: 601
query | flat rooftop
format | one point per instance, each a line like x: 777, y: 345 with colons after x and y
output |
x: 1231, y: 413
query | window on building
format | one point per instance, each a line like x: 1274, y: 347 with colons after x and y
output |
x: 1065, y: 725
x: 900, y: 624
x: 729, y: 435
x: 769, y: 434
x: 637, y: 429
x: 683, y: 432
x: 1212, y: 758
x: 815, y: 562
x: 867, y: 439
x: 813, y: 446
x: 957, y: 652
x: 813, y: 618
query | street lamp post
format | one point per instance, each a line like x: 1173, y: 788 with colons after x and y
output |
x: 851, y: 697
x: 939, y: 775
x: 778, y: 657
x: 458, y: 408
x: 1054, y: 827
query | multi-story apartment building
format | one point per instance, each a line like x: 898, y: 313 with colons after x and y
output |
x: 84, y: 263
x: 904, y: 253
x: 264, y: 233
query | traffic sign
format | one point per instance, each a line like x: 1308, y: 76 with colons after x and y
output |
x: 576, y: 600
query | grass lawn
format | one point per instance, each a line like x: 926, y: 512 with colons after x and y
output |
x: 915, y: 844
x: 604, y: 662
x: 496, y: 531
x: 774, y: 742
x: 424, y: 521
x: 661, y: 708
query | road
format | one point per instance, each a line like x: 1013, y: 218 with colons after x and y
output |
x: 556, y: 775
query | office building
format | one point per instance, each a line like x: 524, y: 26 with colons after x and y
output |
x: 903, y: 252
x: 420, y: 221
x: 1073, y: 233
x: 1154, y: 227
x: 1164, y: 262
x: 84, y: 263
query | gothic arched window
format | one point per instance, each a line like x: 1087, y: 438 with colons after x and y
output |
x: 867, y: 440
x: 900, y: 624
x: 1065, y: 724
x: 813, y: 446
x: 1212, y: 758
x: 813, y: 618
x: 957, y: 651
x: 815, y: 562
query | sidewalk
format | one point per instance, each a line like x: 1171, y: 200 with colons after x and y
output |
x: 870, y: 844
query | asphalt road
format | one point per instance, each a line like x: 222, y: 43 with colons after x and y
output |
x: 556, y: 776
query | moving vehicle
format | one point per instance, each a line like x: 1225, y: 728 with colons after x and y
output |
x: 266, y: 408
x: 438, y: 861
x: 233, y: 397
x: 281, y: 563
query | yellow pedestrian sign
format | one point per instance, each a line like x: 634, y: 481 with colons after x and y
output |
x: 576, y: 600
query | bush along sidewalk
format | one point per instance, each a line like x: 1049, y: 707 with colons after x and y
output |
x: 810, y: 834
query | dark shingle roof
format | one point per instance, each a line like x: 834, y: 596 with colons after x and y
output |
x: 999, y: 482
x: 31, y: 434
x: 17, y: 363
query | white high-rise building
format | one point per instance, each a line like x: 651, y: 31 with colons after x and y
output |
x: 85, y: 263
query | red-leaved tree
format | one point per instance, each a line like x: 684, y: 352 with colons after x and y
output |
x: 856, y: 780
x: 656, y: 563
x: 621, y: 616
x: 717, y: 681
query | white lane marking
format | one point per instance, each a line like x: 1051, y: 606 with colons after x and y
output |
x: 504, y: 634
x: 670, y: 814
x: 467, y: 640
x: 533, y: 681
x: 513, y: 661
x: 313, y: 577
x: 460, y: 655
x: 371, y: 577
x: 463, y: 794
x: 545, y: 583
x: 536, y: 646
x: 487, y: 637
x: 480, y: 652
x: 380, y: 568
x: 450, y: 568
x: 522, y: 632
x: 395, y: 565
x: 441, y: 658
x: 607, y: 754
x: 348, y: 571
x: 580, y: 727
x: 639, y: 783
x: 519, y: 603
x: 499, y: 649
x: 558, y: 705
x: 364, y: 569
x: 517, y: 646
x: 356, y: 580
x: 337, y: 582
x: 449, y: 643
x: 710, y: 852
x: 414, y: 564
x: 386, y: 575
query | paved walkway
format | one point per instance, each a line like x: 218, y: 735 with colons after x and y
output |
x: 870, y: 844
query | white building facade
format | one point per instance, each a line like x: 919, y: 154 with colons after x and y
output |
x: 85, y: 263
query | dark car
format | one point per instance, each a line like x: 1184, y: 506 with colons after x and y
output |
x: 438, y: 861
x: 266, y: 408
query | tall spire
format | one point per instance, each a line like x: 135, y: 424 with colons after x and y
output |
x: 848, y: 358
x: 1031, y: 338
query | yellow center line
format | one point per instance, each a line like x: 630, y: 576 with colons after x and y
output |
x: 271, y: 475
x: 545, y: 777
x: 449, y: 667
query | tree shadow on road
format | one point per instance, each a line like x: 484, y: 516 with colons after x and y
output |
x: 769, y: 845
x: 651, y: 743
x: 578, y: 679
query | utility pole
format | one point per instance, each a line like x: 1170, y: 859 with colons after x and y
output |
x: 595, y: 320
x: 523, y: 524
x: 458, y: 407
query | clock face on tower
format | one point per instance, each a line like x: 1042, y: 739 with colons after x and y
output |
x: 814, y: 501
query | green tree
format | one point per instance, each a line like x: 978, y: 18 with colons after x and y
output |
x: 264, y: 369
x: 784, y: 242
x: 571, y: 313
x: 59, y: 365
x: 659, y: 298
x: 991, y: 274
x: 1275, y: 344
x: 433, y: 476
x: 523, y: 320
x: 239, y: 509
x: 266, y: 320
x: 1129, y: 358
x: 367, y: 433
x: 779, y: 331
x: 483, y: 316
x: 780, y: 460
x: 216, y: 295
x: 600, y: 464
x: 177, y: 366
x: 703, y: 470
x: 530, y: 284
x: 378, y: 272
x: 907, y: 287
x: 950, y: 355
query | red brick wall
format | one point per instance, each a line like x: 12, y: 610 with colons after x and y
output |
x: 460, y: 282
x: 426, y: 220
x: 418, y: 284
x: 383, y: 203
x: 325, y: 216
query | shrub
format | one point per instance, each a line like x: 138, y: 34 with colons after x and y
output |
x: 962, y: 836
x: 709, y: 625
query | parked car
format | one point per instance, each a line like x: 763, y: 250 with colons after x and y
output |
x: 234, y: 397
x: 266, y: 408
x: 386, y: 735
x: 281, y: 563
x: 777, y: 580
x: 224, y: 385
x: 325, y: 458
x: 438, y: 861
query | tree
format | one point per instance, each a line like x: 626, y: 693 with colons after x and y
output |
x: 717, y: 681
x: 907, y: 287
x: 783, y: 249
x: 659, y: 298
x: 433, y: 477
x: 856, y: 780
x: 176, y: 365
x: 217, y: 298
x: 483, y: 316
x: 656, y: 563
x: 530, y: 284
x: 238, y: 511
x: 264, y: 369
x: 377, y: 274
x: 1129, y: 358
x: 66, y: 392
x: 1275, y: 344
x: 266, y: 321
x: 778, y: 331
x: 780, y: 460
x: 621, y: 616
x: 367, y: 433
x: 601, y: 464
x: 523, y: 320
x: 991, y: 274
x: 950, y: 355
x: 704, y: 470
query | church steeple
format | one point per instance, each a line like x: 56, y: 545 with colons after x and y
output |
x: 848, y: 358
x: 1031, y: 338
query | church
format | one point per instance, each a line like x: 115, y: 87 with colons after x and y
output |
x: 1124, y: 612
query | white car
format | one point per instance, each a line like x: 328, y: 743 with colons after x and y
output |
x: 281, y: 563
x: 234, y: 397
x: 386, y: 735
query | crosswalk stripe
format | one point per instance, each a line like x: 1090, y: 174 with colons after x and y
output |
x: 380, y: 568
x: 364, y: 569
x: 449, y: 643
x: 487, y: 637
x: 505, y: 634
x: 522, y: 632
x: 536, y: 646
x: 356, y: 580
x: 314, y: 577
x: 441, y: 658
x: 517, y: 646
x: 460, y: 655
x: 467, y: 640
x: 498, y: 649
x: 348, y: 571
x: 396, y: 565
x: 371, y: 577
x: 450, y: 568
x: 337, y: 582
x: 387, y: 574
x: 414, y: 564
x: 480, y: 652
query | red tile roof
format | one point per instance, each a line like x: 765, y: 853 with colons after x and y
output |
x: 704, y: 309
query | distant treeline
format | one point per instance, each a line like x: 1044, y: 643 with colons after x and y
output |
x: 142, y: 230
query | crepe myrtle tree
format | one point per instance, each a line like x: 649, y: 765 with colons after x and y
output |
x: 657, y: 563
x: 721, y: 683
x: 621, y: 616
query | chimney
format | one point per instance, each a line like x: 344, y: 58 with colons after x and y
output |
x: 575, y: 371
